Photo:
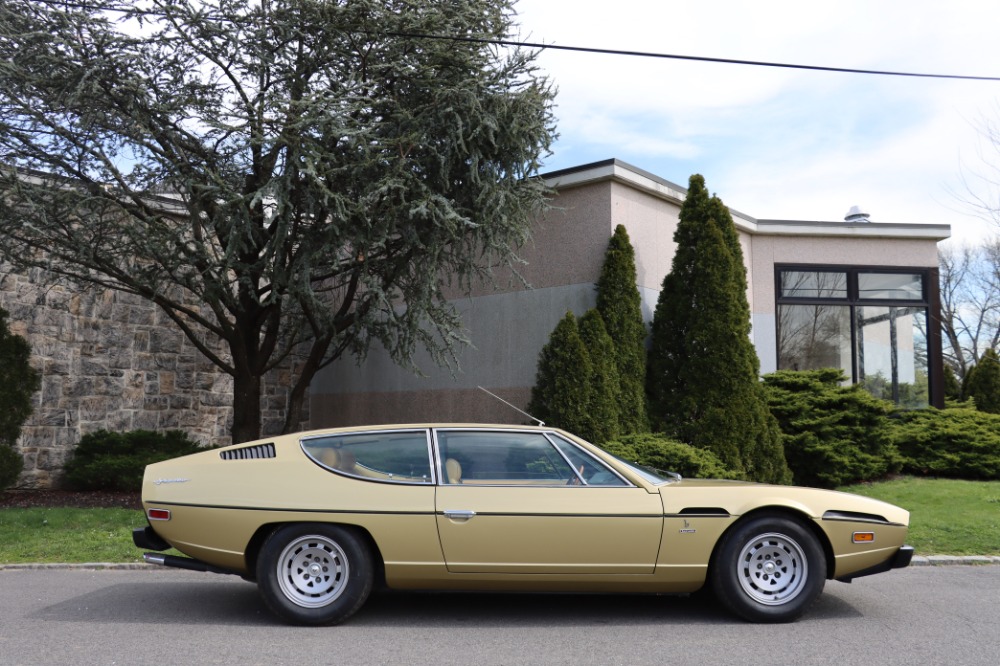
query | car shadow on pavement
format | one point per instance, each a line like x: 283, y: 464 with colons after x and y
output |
x: 228, y: 601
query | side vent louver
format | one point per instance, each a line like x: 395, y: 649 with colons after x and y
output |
x: 249, y: 452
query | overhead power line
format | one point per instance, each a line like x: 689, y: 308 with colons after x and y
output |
x: 671, y: 56
x: 88, y: 6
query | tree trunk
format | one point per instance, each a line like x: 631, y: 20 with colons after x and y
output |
x: 246, y: 408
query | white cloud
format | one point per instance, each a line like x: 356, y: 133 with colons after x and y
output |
x: 780, y: 143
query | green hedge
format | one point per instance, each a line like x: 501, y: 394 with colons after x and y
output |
x: 106, y: 460
x: 959, y: 443
x: 661, y: 452
x: 833, y: 434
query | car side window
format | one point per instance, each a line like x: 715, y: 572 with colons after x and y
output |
x: 394, y: 457
x: 502, y: 458
x: 593, y: 471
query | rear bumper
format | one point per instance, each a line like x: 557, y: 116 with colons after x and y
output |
x: 147, y: 539
x: 899, y: 560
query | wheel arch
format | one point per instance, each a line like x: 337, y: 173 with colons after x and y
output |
x: 256, y: 543
x: 782, y: 512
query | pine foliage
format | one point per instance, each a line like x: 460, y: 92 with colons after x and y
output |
x: 703, y: 371
x: 620, y: 306
x: 833, y: 434
x: 562, y: 395
x: 605, y: 416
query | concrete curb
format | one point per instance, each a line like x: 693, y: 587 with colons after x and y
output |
x: 918, y: 561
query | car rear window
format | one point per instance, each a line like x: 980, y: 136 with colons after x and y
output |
x: 392, y: 457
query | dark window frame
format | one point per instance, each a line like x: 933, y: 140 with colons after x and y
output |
x: 930, y: 301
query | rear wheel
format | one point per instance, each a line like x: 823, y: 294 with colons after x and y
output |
x: 314, y: 574
x: 769, y: 569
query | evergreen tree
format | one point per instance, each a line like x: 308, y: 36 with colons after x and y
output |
x: 326, y: 167
x: 562, y: 393
x: 605, y: 416
x: 18, y: 381
x: 703, y: 378
x: 983, y: 383
x: 619, y: 303
x: 952, y: 388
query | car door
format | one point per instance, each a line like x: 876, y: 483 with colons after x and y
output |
x: 520, y: 502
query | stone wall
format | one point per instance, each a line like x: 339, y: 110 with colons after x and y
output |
x: 113, y: 361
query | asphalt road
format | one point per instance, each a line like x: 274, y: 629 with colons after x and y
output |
x: 921, y: 615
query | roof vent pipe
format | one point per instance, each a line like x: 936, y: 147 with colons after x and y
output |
x: 856, y: 215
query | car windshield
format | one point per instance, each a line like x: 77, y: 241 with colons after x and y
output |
x: 651, y: 474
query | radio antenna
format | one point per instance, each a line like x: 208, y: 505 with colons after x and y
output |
x: 538, y: 421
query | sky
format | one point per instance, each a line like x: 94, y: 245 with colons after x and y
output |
x: 782, y: 143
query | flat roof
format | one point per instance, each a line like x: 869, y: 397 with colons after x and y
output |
x: 615, y: 170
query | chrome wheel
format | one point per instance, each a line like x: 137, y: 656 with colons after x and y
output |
x: 312, y: 571
x: 773, y: 569
x: 769, y: 568
x: 315, y: 573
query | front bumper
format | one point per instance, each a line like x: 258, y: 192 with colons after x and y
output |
x: 900, y: 560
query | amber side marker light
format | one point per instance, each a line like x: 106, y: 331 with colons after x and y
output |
x: 864, y: 537
x: 158, y: 514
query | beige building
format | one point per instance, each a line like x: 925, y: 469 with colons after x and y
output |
x: 855, y: 294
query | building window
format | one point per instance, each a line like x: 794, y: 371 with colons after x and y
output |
x: 871, y: 323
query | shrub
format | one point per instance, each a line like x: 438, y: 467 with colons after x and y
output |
x: 562, y: 393
x: 106, y: 460
x: 983, y: 384
x: 11, y: 464
x: 663, y: 453
x: 957, y: 443
x: 833, y: 434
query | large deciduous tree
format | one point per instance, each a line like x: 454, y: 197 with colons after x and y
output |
x: 279, y: 176
x: 703, y: 378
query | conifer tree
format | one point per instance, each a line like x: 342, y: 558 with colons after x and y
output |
x: 619, y: 303
x: 562, y: 393
x: 983, y: 384
x: 703, y: 377
x: 605, y: 418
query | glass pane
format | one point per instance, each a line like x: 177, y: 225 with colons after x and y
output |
x: 502, y: 458
x: 892, y: 354
x: 593, y: 471
x: 896, y: 286
x: 814, y: 336
x: 402, y: 457
x: 813, y: 284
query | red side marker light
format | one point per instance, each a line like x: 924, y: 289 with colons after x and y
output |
x: 158, y: 514
x: 864, y: 537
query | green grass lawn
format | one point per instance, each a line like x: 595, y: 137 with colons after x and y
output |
x: 946, y: 518
x: 69, y: 535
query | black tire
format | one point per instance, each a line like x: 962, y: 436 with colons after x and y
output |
x: 769, y: 568
x: 314, y: 574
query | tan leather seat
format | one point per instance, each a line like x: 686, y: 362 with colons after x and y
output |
x: 453, y: 470
x: 330, y: 457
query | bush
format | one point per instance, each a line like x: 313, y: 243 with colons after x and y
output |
x: 957, y: 443
x: 663, y: 453
x: 983, y: 383
x: 833, y: 434
x: 106, y: 460
x: 11, y: 464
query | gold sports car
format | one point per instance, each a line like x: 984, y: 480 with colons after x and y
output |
x: 317, y: 518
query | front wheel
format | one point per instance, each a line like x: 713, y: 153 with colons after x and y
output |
x: 769, y: 569
x: 314, y: 574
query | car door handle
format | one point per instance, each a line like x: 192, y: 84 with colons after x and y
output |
x: 459, y: 515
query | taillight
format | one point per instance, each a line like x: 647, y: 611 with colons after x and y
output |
x: 158, y: 514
